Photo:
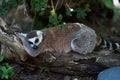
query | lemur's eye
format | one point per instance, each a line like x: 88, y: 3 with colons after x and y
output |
x: 36, y: 40
x: 30, y: 42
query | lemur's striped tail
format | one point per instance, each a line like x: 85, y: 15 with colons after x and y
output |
x: 109, y: 45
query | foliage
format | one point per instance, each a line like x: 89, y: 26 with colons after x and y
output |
x: 81, y: 13
x: 6, y: 71
x: 68, y: 12
x: 39, y: 5
x: 108, y: 3
x: 53, y: 20
x: 54, y: 17
x: 63, y: 25
x: 6, y: 5
x: 102, y: 35
x: 46, y: 8
x: 1, y: 58
x: 44, y: 69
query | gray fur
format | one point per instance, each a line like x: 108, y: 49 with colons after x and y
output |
x: 84, y: 41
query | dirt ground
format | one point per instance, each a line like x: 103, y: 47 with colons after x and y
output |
x: 27, y: 73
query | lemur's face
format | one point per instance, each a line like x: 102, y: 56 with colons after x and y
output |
x: 34, y: 38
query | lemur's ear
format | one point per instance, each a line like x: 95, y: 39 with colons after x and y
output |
x: 22, y: 34
x: 39, y: 32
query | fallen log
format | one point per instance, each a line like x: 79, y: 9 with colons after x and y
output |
x: 73, y: 63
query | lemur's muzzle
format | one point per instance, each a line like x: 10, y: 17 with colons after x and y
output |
x: 35, y: 47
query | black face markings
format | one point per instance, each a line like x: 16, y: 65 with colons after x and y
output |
x: 36, y: 40
x: 35, y: 47
x: 30, y: 42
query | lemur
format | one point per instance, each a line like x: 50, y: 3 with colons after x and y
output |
x: 75, y: 37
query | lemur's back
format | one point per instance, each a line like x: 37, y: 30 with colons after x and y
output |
x: 74, y: 37
x: 58, y: 39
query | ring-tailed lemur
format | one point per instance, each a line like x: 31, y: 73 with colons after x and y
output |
x: 75, y: 37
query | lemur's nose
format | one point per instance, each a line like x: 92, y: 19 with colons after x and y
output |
x: 35, y: 47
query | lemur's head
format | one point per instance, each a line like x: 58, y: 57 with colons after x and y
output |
x: 34, y: 38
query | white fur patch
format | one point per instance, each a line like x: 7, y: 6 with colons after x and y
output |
x: 105, y: 44
x: 40, y: 38
x: 110, y: 48
x: 32, y: 39
x: 118, y: 46
x: 22, y: 34
x: 78, y: 24
x: 39, y: 33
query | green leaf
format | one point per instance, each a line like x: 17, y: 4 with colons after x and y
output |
x: 44, y: 6
x: 3, y: 12
x: 52, y: 12
x: 87, y: 8
x: 39, y: 6
x: 4, y: 69
x: 1, y: 58
x: 80, y: 13
x: 4, y: 76
x: 108, y: 3
x: 68, y: 12
x: 53, y: 19
x: 44, y: 69
x: 10, y: 69
x: 32, y: 3
x: 60, y: 17
x: 5, y: 5
x: 13, y: 3
x: 63, y: 25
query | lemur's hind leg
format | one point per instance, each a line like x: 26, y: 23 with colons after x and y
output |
x: 84, y: 44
